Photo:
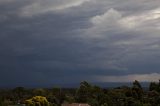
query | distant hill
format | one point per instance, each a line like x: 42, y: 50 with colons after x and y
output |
x: 76, y: 85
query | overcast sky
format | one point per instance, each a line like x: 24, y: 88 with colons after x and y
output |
x: 44, y: 42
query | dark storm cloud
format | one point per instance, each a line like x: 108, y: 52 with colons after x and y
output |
x: 77, y: 40
x: 42, y: 46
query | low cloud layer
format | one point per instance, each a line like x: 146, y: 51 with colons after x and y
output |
x: 154, y: 77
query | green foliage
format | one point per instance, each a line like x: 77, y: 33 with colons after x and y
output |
x: 105, y: 104
x: 137, y: 90
x: 37, y: 101
x: 92, y: 102
x: 147, y: 104
x: 40, y: 91
x: 86, y: 93
x: 136, y: 84
x: 154, y: 86
x: 70, y: 99
x: 92, y: 95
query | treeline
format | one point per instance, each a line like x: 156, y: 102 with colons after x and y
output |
x: 86, y: 93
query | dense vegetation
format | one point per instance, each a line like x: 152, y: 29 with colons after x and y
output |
x: 86, y: 93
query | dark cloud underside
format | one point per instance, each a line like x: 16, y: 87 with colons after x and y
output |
x: 53, y: 42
